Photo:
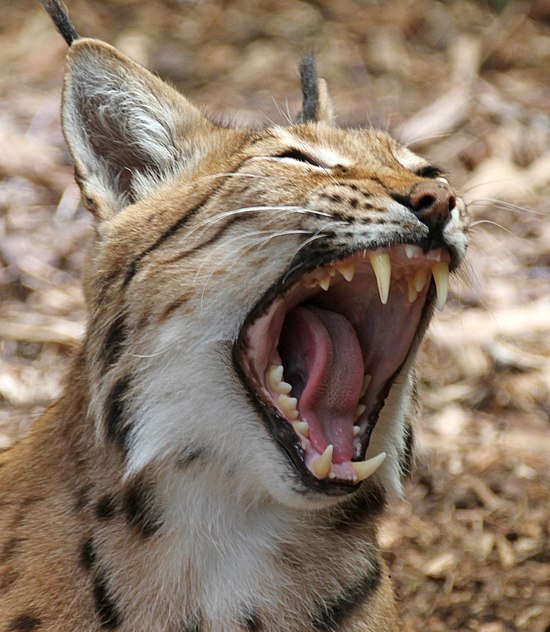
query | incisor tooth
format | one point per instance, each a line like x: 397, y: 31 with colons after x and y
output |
x: 420, y: 279
x: 288, y: 405
x: 381, y: 264
x: 302, y: 428
x: 347, y: 271
x: 440, y: 273
x: 321, y: 467
x: 410, y: 251
x: 364, y: 469
x: 412, y: 293
x: 356, y: 430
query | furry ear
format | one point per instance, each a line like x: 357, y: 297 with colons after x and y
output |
x: 126, y: 129
x: 317, y: 104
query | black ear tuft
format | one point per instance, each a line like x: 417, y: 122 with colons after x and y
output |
x: 57, y: 12
x: 317, y: 105
x: 310, y: 89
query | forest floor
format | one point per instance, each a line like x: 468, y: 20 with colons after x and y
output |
x: 464, y: 83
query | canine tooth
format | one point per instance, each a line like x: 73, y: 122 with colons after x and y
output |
x: 301, y: 428
x: 410, y: 251
x: 364, y: 469
x: 356, y: 430
x: 420, y: 279
x: 288, y: 404
x: 360, y: 410
x: 366, y: 383
x: 321, y: 467
x: 347, y: 271
x: 412, y: 293
x: 440, y: 273
x: 381, y: 264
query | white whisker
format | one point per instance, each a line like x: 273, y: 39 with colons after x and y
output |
x: 245, y: 248
x: 471, y: 187
x: 506, y: 206
x: 147, y: 355
x: 285, y: 115
x: 317, y: 235
x: 234, y: 174
x: 491, y: 223
x: 210, y: 221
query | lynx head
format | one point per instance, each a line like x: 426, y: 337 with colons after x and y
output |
x: 256, y: 297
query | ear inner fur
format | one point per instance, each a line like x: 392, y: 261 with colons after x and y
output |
x: 127, y: 130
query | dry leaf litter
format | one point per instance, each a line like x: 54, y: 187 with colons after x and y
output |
x: 465, y: 83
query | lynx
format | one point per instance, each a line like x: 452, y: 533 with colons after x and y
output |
x: 241, y: 408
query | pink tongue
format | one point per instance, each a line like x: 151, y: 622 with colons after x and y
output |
x: 323, y: 361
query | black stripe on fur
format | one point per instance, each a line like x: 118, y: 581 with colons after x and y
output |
x: 24, y: 623
x: 330, y: 616
x: 106, y: 609
x: 116, y: 428
x: 364, y: 506
x: 180, y: 223
x: 87, y: 554
x: 139, y: 511
x: 172, y: 230
x: 114, y: 340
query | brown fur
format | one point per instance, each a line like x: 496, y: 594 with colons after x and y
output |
x: 86, y: 542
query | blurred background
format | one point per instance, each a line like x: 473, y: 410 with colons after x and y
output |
x: 467, y: 84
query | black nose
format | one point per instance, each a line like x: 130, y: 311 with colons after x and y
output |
x: 432, y: 202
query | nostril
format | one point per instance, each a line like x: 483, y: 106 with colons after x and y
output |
x: 422, y: 203
x: 432, y: 202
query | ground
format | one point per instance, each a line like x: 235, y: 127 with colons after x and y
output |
x: 465, y: 83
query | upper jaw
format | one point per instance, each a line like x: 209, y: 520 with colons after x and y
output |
x: 379, y: 303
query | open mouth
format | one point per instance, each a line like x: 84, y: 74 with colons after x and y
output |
x: 322, y: 351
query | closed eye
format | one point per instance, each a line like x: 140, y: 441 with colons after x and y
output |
x: 297, y: 154
x: 429, y: 171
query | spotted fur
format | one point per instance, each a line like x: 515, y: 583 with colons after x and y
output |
x: 152, y: 496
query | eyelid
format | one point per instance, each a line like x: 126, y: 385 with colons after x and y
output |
x: 429, y: 171
x: 300, y: 156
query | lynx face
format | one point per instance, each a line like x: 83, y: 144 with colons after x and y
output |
x: 256, y: 297
x: 338, y: 323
